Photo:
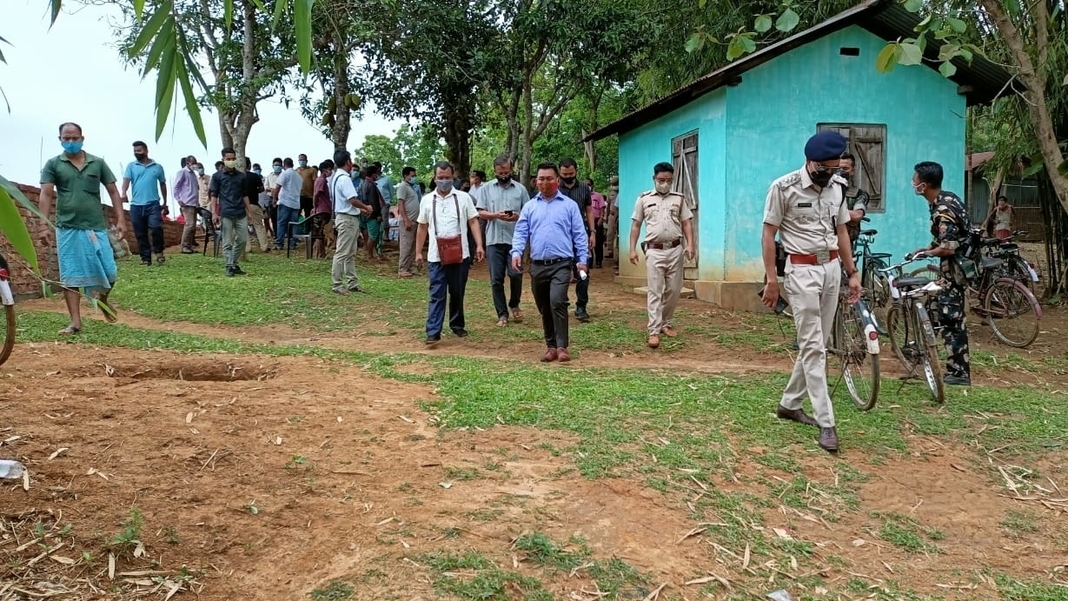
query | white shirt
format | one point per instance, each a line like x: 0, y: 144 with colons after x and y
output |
x: 341, y: 191
x: 447, y: 219
x: 289, y: 184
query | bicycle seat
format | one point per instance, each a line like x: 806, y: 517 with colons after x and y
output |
x: 990, y: 241
x: 1009, y: 247
x: 911, y: 282
x: 869, y: 232
x: 880, y: 255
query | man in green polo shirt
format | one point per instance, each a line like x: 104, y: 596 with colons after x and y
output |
x: 71, y: 182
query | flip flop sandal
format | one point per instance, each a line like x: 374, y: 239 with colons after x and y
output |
x: 69, y: 331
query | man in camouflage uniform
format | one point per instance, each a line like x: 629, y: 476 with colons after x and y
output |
x: 856, y: 198
x: 950, y: 228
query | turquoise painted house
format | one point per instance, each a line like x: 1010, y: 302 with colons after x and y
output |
x: 733, y: 131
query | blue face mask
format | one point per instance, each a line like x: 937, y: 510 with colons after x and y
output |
x: 277, y: 168
x: 72, y: 147
x: 256, y: 171
x: 443, y: 185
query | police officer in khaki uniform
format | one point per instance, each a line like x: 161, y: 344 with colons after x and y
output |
x: 668, y: 226
x: 806, y: 210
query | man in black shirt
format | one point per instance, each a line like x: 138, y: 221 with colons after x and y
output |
x: 253, y: 188
x: 579, y: 192
x: 370, y: 195
x: 230, y: 207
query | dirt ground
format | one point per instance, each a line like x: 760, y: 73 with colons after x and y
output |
x: 257, y: 478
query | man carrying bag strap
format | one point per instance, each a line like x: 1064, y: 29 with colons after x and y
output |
x: 448, y: 256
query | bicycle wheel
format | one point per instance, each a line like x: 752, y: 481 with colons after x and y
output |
x: 898, y: 328
x: 1015, y: 268
x: 927, y: 346
x: 880, y: 298
x: 1013, y: 312
x: 860, y: 369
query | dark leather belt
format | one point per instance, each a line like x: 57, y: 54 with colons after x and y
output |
x: 544, y: 262
x: 816, y: 259
x: 664, y: 245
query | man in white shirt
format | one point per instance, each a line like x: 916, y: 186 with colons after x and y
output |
x: 287, y: 197
x: 446, y: 213
x: 347, y: 209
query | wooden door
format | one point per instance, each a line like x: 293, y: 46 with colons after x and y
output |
x: 868, y: 144
x: 684, y: 159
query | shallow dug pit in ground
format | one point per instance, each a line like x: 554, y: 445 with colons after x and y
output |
x: 193, y: 370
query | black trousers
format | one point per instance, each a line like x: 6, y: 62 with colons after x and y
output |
x: 550, y: 284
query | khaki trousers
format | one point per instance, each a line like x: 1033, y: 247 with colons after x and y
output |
x: 255, y: 218
x: 343, y: 269
x: 663, y: 270
x: 189, y: 232
x: 813, y: 294
x: 407, y: 248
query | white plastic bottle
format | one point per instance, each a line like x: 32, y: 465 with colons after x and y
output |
x: 11, y: 469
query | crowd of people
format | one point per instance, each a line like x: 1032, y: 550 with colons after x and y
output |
x: 559, y: 224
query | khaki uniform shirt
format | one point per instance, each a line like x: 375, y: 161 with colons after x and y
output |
x: 806, y: 216
x: 663, y: 215
x: 204, y: 182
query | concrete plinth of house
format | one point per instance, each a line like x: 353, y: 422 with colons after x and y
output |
x: 734, y: 296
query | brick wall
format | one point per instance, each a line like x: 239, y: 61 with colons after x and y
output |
x: 24, y: 282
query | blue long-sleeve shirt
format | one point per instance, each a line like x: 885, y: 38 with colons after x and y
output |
x: 554, y: 228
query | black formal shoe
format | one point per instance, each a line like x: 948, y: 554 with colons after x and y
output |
x: 230, y: 272
x: 581, y: 314
x: 238, y: 270
x: 795, y: 415
x: 957, y: 381
x: 828, y: 439
x: 460, y: 333
x: 432, y: 340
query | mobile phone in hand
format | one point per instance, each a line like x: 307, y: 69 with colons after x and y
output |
x: 780, y: 304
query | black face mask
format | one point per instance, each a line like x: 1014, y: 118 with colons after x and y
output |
x: 821, y: 178
x: 570, y: 181
x: 504, y: 179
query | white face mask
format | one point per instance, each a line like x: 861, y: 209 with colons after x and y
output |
x: 663, y: 187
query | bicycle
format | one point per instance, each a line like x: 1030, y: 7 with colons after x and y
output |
x: 911, y: 333
x: 7, y: 298
x: 1005, y: 303
x: 875, y: 285
x: 855, y: 346
x: 1013, y: 265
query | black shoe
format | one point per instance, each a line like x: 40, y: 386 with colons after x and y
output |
x: 795, y: 415
x: 230, y: 272
x: 238, y: 271
x: 828, y: 439
x: 432, y: 340
x: 581, y: 314
x: 957, y: 380
x: 146, y: 263
x: 460, y: 333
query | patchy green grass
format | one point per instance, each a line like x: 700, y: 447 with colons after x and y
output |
x: 1019, y: 524
x: 908, y: 534
x: 335, y: 590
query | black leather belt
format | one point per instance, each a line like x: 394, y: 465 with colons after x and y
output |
x: 664, y: 245
x: 544, y: 262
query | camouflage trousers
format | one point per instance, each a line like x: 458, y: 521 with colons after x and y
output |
x: 951, y: 317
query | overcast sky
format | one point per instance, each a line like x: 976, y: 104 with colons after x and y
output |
x: 73, y: 73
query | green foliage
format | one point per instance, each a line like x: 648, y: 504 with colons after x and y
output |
x: 130, y: 534
x: 335, y: 590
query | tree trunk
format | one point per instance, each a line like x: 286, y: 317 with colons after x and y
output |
x: 458, y: 128
x: 339, y: 132
x: 1036, y: 90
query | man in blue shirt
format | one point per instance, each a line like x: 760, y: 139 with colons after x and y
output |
x: 148, y: 203
x: 555, y: 230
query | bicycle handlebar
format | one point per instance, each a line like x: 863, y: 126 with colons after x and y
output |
x: 909, y: 258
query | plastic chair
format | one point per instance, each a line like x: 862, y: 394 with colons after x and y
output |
x: 210, y: 233
x: 301, y: 225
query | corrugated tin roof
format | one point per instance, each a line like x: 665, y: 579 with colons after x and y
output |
x: 981, y: 80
